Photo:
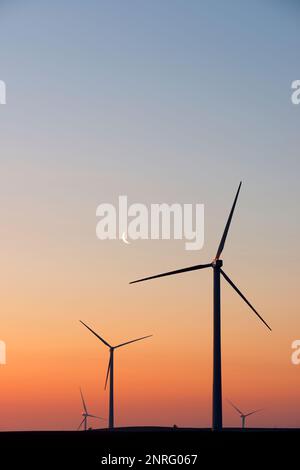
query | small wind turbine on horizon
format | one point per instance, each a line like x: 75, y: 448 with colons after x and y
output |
x: 242, y: 415
x: 110, y: 370
x: 216, y: 265
x: 86, y: 414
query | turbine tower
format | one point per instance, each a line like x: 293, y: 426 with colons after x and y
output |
x: 85, y: 414
x: 216, y: 265
x: 242, y: 415
x: 110, y: 370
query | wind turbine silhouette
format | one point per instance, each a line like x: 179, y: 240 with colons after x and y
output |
x: 216, y: 265
x: 110, y: 370
x: 242, y: 415
x: 85, y: 414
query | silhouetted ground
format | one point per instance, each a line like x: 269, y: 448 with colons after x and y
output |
x: 61, y: 449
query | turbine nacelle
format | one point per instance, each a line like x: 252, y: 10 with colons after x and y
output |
x: 217, y: 263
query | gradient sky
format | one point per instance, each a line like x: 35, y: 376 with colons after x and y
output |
x: 164, y: 101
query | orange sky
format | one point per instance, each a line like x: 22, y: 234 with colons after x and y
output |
x: 165, y: 379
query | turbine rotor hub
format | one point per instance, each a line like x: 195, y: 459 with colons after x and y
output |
x: 217, y: 263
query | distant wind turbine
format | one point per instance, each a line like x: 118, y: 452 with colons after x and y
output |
x: 110, y: 370
x: 86, y: 415
x: 242, y: 415
x: 216, y: 265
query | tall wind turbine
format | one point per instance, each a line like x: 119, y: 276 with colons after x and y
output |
x: 242, y: 415
x: 110, y: 370
x: 216, y: 265
x: 85, y: 414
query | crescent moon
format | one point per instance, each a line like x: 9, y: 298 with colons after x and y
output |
x: 125, y: 239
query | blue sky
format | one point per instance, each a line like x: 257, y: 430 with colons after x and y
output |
x: 162, y: 101
x: 157, y: 100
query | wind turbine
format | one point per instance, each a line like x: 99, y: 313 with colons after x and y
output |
x: 216, y: 265
x: 85, y: 414
x: 110, y: 370
x: 242, y: 415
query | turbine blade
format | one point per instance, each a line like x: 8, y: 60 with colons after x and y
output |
x: 80, y: 424
x: 227, y: 226
x: 107, y: 373
x: 98, y: 417
x: 235, y: 407
x: 177, y: 271
x: 252, y: 412
x: 244, y: 298
x: 132, y: 341
x: 94, y: 333
x: 83, y: 402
